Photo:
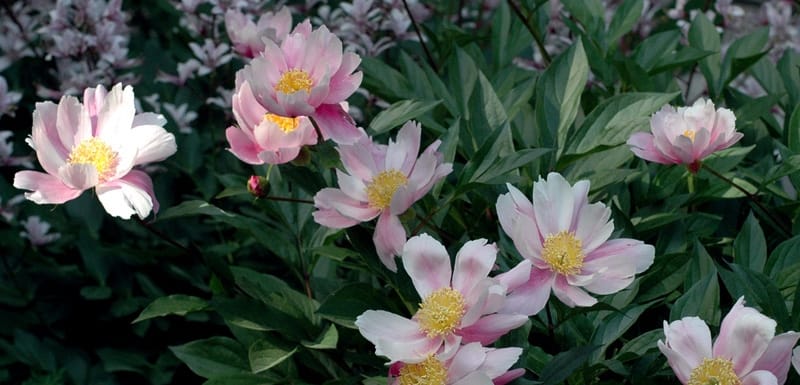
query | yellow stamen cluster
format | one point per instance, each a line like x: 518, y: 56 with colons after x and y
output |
x: 285, y: 123
x: 428, y: 372
x: 97, y: 153
x: 690, y: 134
x: 383, y: 187
x: 563, y: 253
x: 294, y: 80
x: 440, y: 312
x: 714, y: 371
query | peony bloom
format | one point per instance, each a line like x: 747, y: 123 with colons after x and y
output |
x: 96, y: 144
x: 381, y: 181
x: 263, y: 137
x: 248, y: 37
x: 307, y: 75
x: 566, y: 239
x: 459, y: 305
x: 747, y: 351
x: 472, y: 364
x: 686, y: 135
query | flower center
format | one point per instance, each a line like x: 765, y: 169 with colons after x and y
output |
x: 428, y: 372
x: 714, y: 371
x: 285, y: 123
x: 294, y: 80
x: 690, y: 134
x: 563, y: 253
x: 441, y: 311
x: 383, y: 186
x: 95, y: 152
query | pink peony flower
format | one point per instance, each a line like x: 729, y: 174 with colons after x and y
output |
x: 566, y: 239
x: 381, y: 181
x: 307, y: 75
x: 263, y: 137
x: 37, y: 231
x: 248, y: 37
x: 747, y: 351
x: 471, y: 364
x: 96, y: 144
x: 686, y: 135
x: 459, y: 305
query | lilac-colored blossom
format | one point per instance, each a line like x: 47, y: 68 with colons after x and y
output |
x: 37, y: 231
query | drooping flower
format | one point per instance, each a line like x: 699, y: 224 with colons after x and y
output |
x: 472, y: 364
x: 264, y: 137
x: 37, y: 231
x: 381, y: 181
x: 247, y: 37
x: 96, y: 144
x: 567, y: 240
x: 459, y: 305
x: 307, y: 75
x: 747, y: 351
x: 686, y: 135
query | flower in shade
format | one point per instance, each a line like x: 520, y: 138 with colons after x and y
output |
x: 263, y: 137
x: 567, y: 240
x: 307, y: 75
x: 796, y: 359
x: 472, y: 364
x: 96, y: 144
x: 37, y: 231
x: 248, y: 37
x: 747, y: 351
x: 686, y: 135
x: 381, y: 181
x: 459, y: 305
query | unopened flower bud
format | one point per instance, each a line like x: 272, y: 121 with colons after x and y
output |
x: 258, y: 186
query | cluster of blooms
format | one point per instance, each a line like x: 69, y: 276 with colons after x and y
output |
x: 87, y: 40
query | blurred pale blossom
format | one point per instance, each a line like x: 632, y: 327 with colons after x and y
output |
x: 210, y: 55
x: 8, y: 210
x: 7, y: 149
x: 8, y: 99
x: 247, y: 36
x: 181, y: 116
x: 37, y: 231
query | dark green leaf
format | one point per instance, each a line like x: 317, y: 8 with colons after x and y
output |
x: 265, y: 354
x: 213, y: 357
x: 177, y: 304
x: 399, y: 113
x: 565, y: 363
x: 750, y: 246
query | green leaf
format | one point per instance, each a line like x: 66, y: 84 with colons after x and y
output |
x: 384, y: 80
x: 651, y: 51
x: 327, y: 340
x: 792, y: 131
x: 558, y: 95
x: 246, y: 379
x: 463, y: 74
x: 496, y: 173
x: 213, y: 357
x: 783, y: 256
x: 253, y: 315
x: 703, y: 35
x: 743, y: 53
x: 625, y: 17
x: 347, y: 303
x: 757, y: 289
x: 614, y: 120
x: 399, y: 113
x: 642, y: 343
x: 565, y: 363
x: 701, y: 300
x: 177, y: 304
x: 789, y: 68
x: 614, y: 326
x: 265, y: 354
x: 750, y: 246
x: 96, y: 293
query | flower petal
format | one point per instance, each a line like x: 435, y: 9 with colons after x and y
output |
x: 473, y: 263
x: 131, y: 194
x: 336, y: 124
x: 45, y: 188
x: 744, y: 336
x: 395, y: 337
x: 777, y: 357
x: 427, y: 263
x: 389, y: 238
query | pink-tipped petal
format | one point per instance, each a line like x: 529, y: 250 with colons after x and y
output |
x: 154, y: 144
x: 389, y: 238
x: 491, y: 327
x: 760, y: 377
x: 45, y: 188
x: 690, y: 338
x: 132, y: 194
x: 570, y: 295
x: 427, y: 263
x: 79, y: 176
x: 777, y: 357
x: 395, y: 337
x: 744, y: 336
x: 242, y: 147
x: 531, y: 297
x: 473, y: 263
x: 336, y: 124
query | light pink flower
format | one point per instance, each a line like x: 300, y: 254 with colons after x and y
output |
x: 381, y: 181
x: 263, y: 137
x: 307, y: 75
x: 686, y: 135
x: 566, y: 239
x: 37, y: 231
x: 472, y: 364
x: 96, y: 144
x: 247, y: 37
x: 459, y: 305
x: 796, y: 359
x: 747, y: 351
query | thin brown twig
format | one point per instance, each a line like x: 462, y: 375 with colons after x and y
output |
x: 537, y: 37
x: 163, y: 236
x: 419, y: 36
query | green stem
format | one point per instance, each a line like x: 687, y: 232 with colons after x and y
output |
x: 534, y: 32
x: 752, y: 197
x: 690, y: 183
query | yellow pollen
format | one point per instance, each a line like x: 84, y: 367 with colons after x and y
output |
x: 383, y: 187
x: 440, y: 312
x: 714, y: 371
x: 95, y: 152
x: 563, y: 253
x: 294, y: 80
x: 689, y: 134
x: 428, y: 372
x: 285, y: 123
